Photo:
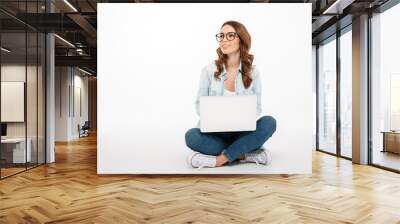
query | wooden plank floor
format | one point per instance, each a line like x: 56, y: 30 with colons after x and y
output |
x: 70, y: 191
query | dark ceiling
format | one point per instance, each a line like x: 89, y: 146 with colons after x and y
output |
x: 77, y: 23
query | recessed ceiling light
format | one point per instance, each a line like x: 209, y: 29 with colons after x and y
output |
x: 84, y: 71
x: 338, y: 6
x: 5, y: 49
x: 70, y: 5
x: 64, y: 40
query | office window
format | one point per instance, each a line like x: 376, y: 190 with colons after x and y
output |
x: 385, y: 88
x: 327, y: 96
x: 346, y: 93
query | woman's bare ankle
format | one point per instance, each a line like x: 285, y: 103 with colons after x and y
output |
x: 221, y: 160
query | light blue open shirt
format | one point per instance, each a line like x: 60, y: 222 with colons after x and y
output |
x: 209, y: 86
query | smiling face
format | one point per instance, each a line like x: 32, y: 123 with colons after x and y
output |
x: 229, y: 46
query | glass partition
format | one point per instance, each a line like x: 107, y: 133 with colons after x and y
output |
x: 22, y: 67
x: 14, y: 153
x: 32, y: 95
x: 41, y: 111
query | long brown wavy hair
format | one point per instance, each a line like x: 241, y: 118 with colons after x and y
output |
x: 245, y: 56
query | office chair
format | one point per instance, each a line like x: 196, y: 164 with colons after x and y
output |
x: 84, y: 130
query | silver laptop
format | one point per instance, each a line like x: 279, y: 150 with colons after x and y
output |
x: 228, y: 113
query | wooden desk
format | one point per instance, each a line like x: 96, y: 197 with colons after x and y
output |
x: 391, y: 141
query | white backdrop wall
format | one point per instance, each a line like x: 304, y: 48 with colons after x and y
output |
x: 149, y: 61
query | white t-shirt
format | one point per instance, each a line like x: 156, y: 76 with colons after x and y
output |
x: 229, y: 93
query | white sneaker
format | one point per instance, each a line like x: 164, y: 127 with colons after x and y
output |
x: 199, y: 160
x: 259, y: 156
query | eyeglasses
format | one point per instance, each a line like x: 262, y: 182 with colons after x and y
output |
x: 229, y: 36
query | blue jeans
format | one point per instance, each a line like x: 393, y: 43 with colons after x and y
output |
x: 232, y: 144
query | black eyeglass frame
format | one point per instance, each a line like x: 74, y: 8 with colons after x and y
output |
x: 220, y: 38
